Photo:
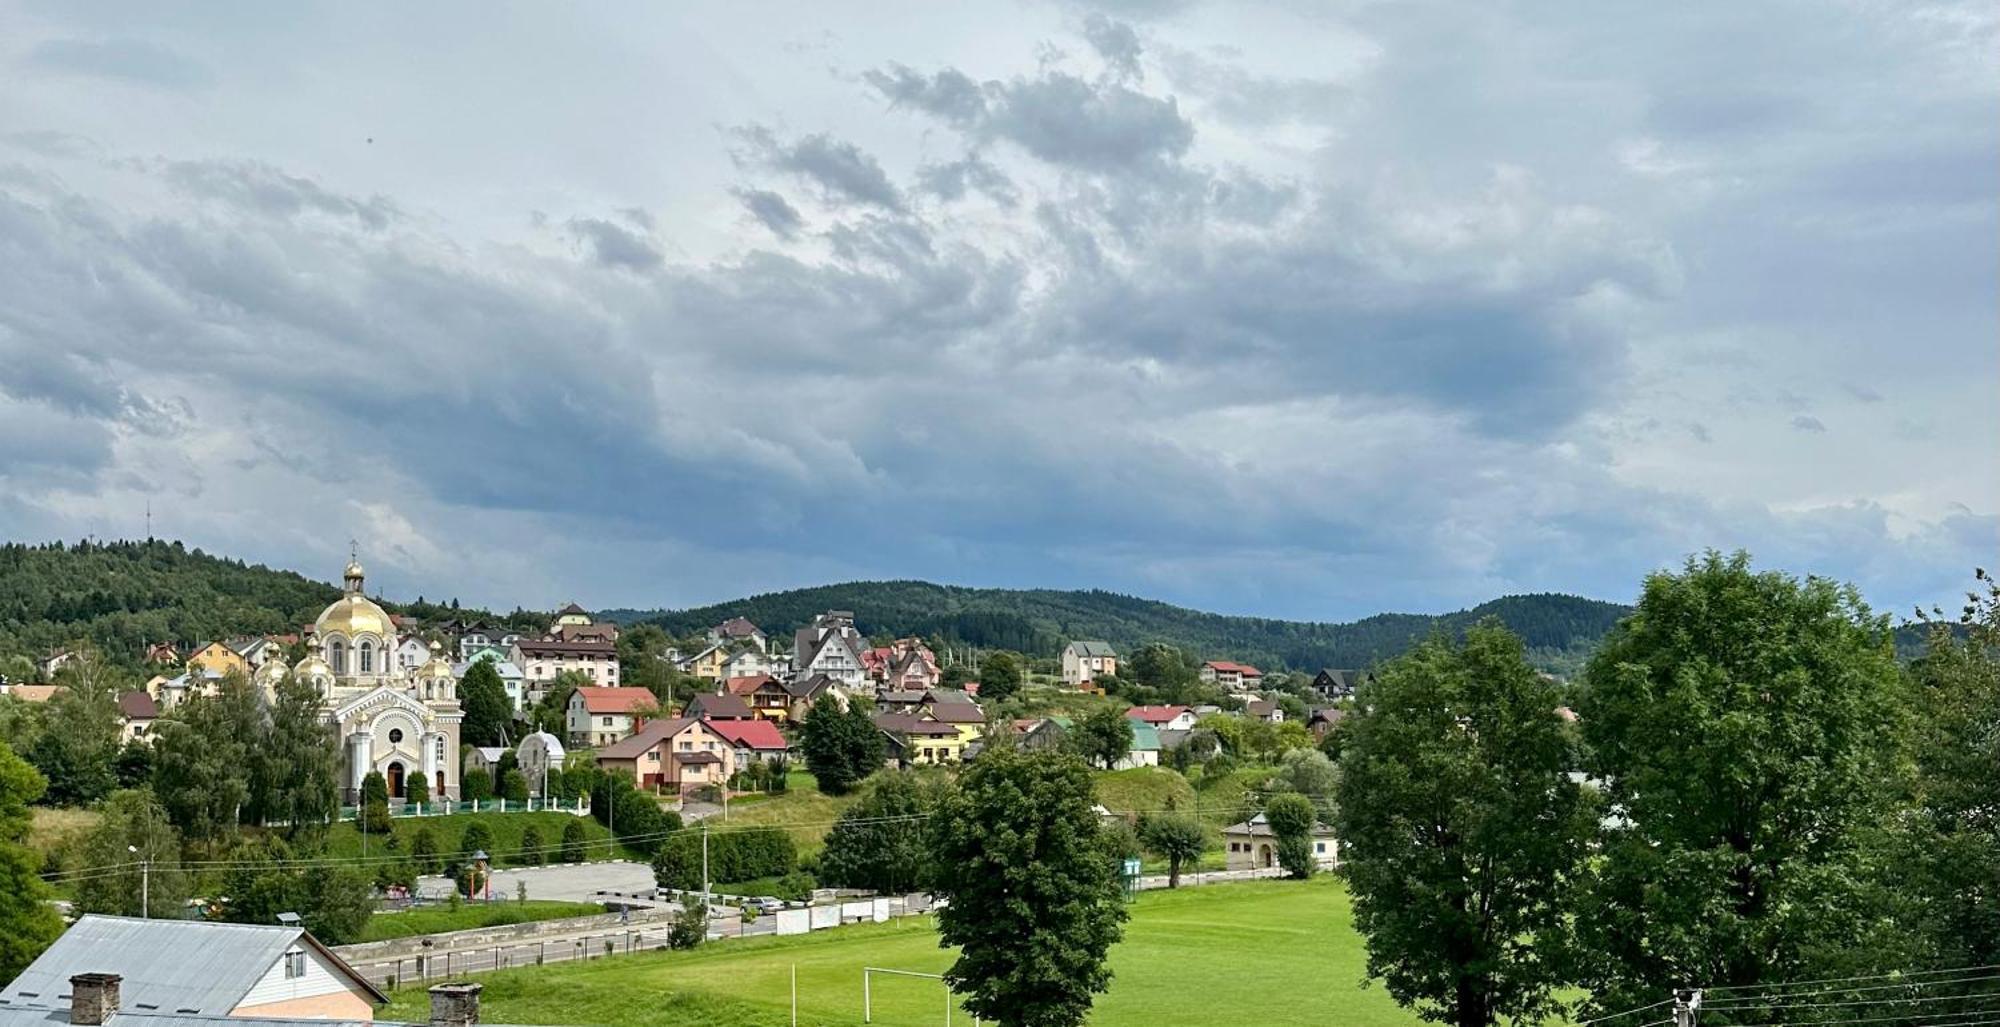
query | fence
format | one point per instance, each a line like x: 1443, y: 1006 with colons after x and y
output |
x: 446, y: 807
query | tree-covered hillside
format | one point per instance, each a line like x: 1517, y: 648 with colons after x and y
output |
x: 1040, y: 621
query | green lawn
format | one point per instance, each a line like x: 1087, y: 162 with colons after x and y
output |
x: 1144, y: 789
x: 344, y: 841
x: 804, y: 813
x: 439, y: 919
x: 1259, y: 953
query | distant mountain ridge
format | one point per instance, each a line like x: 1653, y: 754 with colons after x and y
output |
x: 1558, y: 629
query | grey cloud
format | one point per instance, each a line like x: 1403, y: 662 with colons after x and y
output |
x: 1864, y: 393
x: 952, y: 180
x: 1116, y: 42
x: 616, y: 246
x: 1056, y: 117
x: 773, y: 210
x: 1699, y: 432
x: 639, y: 216
x: 1808, y: 423
x: 843, y: 172
x: 129, y: 60
x: 263, y: 188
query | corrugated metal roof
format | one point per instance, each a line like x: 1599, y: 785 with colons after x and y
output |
x: 172, y: 965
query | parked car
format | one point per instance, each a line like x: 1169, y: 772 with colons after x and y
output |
x: 767, y: 904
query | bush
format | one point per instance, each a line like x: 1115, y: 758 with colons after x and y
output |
x: 424, y: 851
x: 477, y: 838
x: 475, y: 786
x: 574, y: 841
x: 737, y: 856
x: 531, y: 847
x: 1292, y: 818
x: 415, y: 791
x: 796, y: 886
x: 513, y: 786
x: 374, y: 788
x: 375, y: 818
x: 690, y: 927
x: 556, y: 787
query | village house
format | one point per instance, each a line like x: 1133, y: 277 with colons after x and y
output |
x: 602, y: 716
x: 752, y: 740
x: 136, y: 713
x: 738, y: 630
x: 112, y: 970
x: 718, y: 706
x: 767, y: 697
x: 1322, y: 720
x: 1082, y: 661
x: 1169, y: 718
x: 961, y: 713
x: 677, y: 755
x: 706, y: 664
x: 1252, y: 845
x: 478, y: 636
x: 220, y: 658
x: 574, y: 624
x: 748, y: 661
x: 511, y: 677
x: 1145, y: 751
x: 541, y: 659
x: 899, y: 701
x: 830, y: 646
x: 919, y: 741
x: 162, y: 654
x: 1236, y: 677
x: 804, y: 692
x: 1330, y: 684
x: 1265, y: 710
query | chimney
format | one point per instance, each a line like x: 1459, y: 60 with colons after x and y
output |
x: 93, y: 998
x: 454, y: 1005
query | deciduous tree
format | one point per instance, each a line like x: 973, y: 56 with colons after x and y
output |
x: 999, y: 676
x: 133, y: 883
x: 27, y: 922
x: 1292, y: 817
x: 296, y: 766
x: 1175, y: 837
x: 489, y: 715
x: 842, y: 746
x: 878, y: 843
x: 1102, y: 737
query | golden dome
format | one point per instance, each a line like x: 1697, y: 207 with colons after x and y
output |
x: 312, y: 666
x: 353, y: 615
x: 353, y: 569
x: 272, y: 670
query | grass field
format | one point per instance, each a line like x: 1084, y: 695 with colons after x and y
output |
x: 343, y: 840
x: 438, y: 919
x: 801, y: 804
x: 1259, y: 953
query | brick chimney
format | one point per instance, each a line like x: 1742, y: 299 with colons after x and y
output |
x: 93, y: 998
x: 453, y: 1005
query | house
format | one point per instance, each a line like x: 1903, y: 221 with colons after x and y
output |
x: 706, y: 664
x: 831, y: 646
x: 162, y: 654
x: 412, y: 652
x: 1322, y: 720
x: 748, y: 661
x: 1332, y: 684
x: 570, y: 616
x: 1252, y: 845
x: 125, y: 970
x: 136, y: 713
x: 718, y: 706
x: 476, y: 636
x: 538, y: 754
x: 767, y: 696
x: 485, y: 759
x: 1236, y: 677
x: 171, y: 692
x: 906, y: 664
x: 752, y: 740
x: 678, y: 755
x: 964, y: 715
x: 899, y: 701
x: 923, y: 742
x: 511, y: 677
x: 47, y: 666
x: 33, y: 693
x: 803, y: 692
x: 541, y: 659
x: 219, y: 658
x: 738, y: 630
x: 1045, y: 733
x: 1145, y: 751
x: 1171, y: 718
x: 1082, y: 661
x: 1265, y: 710
x: 602, y: 716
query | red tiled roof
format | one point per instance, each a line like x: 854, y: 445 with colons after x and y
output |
x: 1226, y: 666
x: 600, y: 699
x: 751, y: 734
x: 644, y: 739
x: 1155, y: 714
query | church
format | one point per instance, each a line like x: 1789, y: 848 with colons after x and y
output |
x: 400, y: 720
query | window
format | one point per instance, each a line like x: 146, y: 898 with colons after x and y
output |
x: 295, y: 964
x: 395, y: 735
x: 1319, y: 846
x: 367, y: 658
x: 336, y: 654
x: 607, y: 722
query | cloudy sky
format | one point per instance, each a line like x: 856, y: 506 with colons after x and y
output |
x: 1299, y: 309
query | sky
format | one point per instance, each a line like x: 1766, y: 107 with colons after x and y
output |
x: 1304, y: 310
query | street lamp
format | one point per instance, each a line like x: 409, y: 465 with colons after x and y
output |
x: 145, y: 884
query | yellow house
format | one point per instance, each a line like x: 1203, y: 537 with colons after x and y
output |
x: 706, y: 664
x: 920, y: 742
x: 967, y: 717
x: 219, y: 658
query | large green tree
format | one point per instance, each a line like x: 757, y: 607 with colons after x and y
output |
x: 264, y: 879
x: 1747, y: 727
x: 489, y: 715
x: 125, y: 882
x: 842, y: 746
x: 77, y: 750
x: 1102, y: 737
x: 878, y: 843
x: 27, y: 922
x: 1178, y: 838
x: 1461, y: 830
x: 297, y: 766
x: 1292, y: 818
x: 202, y: 764
x: 1000, y: 676
x: 1033, y: 899
x: 1310, y: 773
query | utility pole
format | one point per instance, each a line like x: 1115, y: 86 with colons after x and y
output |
x: 145, y: 883
x: 704, y: 863
x: 1686, y: 1001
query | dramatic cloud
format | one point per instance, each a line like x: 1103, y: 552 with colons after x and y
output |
x: 1255, y: 309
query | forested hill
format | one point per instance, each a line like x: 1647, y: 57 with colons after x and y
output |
x: 1038, y: 622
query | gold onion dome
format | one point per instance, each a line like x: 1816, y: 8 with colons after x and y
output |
x: 437, y: 666
x: 271, y: 670
x: 353, y: 615
x: 312, y: 666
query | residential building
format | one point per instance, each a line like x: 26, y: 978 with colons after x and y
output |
x: 130, y: 971
x: 601, y: 716
x: 571, y: 616
x: 220, y: 658
x: 33, y: 693
x: 674, y: 755
x: 1252, y: 845
x: 1322, y: 720
x: 476, y: 636
x: 1330, y: 684
x: 163, y: 654
x: 1082, y: 661
x: 47, y: 666
x: 414, y: 652
x: 737, y: 630
x: 806, y: 691
x: 1265, y: 710
x: 748, y: 661
x: 1145, y: 751
x: 541, y: 659
x: 259, y: 651
x: 767, y: 696
x: 706, y: 664
x: 136, y: 713
x: 962, y: 714
x: 511, y: 677
x: 170, y: 692
x: 718, y: 706
x: 831, y: 646
x: 575, y: 624
x: 899, y: 701
x: 538, y: 754
x: 1170, y: 718
x: 752, y: 740
x: 1236, y: 677
x: 923, y: 742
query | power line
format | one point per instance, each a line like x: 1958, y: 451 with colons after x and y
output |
x: 1840, y: 980
x: 1628, y: 1012
x: 1784, y: 1003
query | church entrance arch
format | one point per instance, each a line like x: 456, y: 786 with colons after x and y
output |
x: 395, y: 776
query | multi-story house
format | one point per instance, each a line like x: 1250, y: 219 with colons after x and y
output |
x: 831, y: 646
x: 541, y: 659
x: 1236, y: 677
x: 737, y: 630
x: 1082, y: 661
x: 675, y: 755
x: 603, y: 716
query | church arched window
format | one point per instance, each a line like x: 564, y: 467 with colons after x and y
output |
x: 367, y: 657
x: 336, y: 654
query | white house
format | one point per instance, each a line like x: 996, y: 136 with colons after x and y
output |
x: 602, y: 716
x: 746, y: 663
x: 1163, y: 718
x: 1082, y: 661
x: 831, y: 646
x: 1253, y: 845
x: 538, y: 754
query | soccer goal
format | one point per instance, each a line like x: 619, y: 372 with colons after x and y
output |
x: 868, y: 991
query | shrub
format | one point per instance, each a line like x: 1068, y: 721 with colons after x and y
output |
x: 737, y: 856
x: 375, y: 818
x: 374, y: 788
x: 531, y: 847
x: 477, y: 838
x: 513, y: 786
x: 415, y: 791
x: 690, y: 926
x: 424, y: 851
x: 476, y: 785
x: 574, y: 839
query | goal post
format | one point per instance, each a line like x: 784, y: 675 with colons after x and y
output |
x: 868, y: 991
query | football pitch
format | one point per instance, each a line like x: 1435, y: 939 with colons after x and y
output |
x: 1267, y: 952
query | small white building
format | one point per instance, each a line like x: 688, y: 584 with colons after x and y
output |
x: 1252, y: 845
x: 538, y: 754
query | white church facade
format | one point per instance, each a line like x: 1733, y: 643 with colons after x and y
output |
x: 400, y: 720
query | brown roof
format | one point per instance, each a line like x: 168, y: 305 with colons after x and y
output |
x: 600, y: 699
x: 34, y: 693
x: 750, y: 684
x: 904, y: 724
x: 957, y: 713
x: 721, y: 707
x: 645, y: 738
x: 737, y: 627
x: 138, y: 706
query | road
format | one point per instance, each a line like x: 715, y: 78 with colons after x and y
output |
x: 569, y: 882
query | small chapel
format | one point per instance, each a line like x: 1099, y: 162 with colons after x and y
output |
x: 401, y: 721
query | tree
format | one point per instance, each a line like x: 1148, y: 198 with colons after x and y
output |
x: 374, y: 787
x: 574, y: 839
x: 27, y: 922
x: 1033, y: 898
x: 202, y: 760
x: 531, y: 848
x: 416, y: 791
x: 296, y: 766
x: 149, y: 879
x: 1163, y: 668
x: 1748, y: 727
x: 999, y: 676
x: 1102, y: 737
x: 513, y: 785
x: 1175, y: 837
x: 690, y: 926
x: 1292, y: 818
x: 1309, y: 773
x: 134, y: 767
x: 842, y: 745
x: 489, y: 715
x: 78, y: 746
x: 878, y: 842
x: 1462, y: 832
x: 424, y: 851
x: 475, y: 785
